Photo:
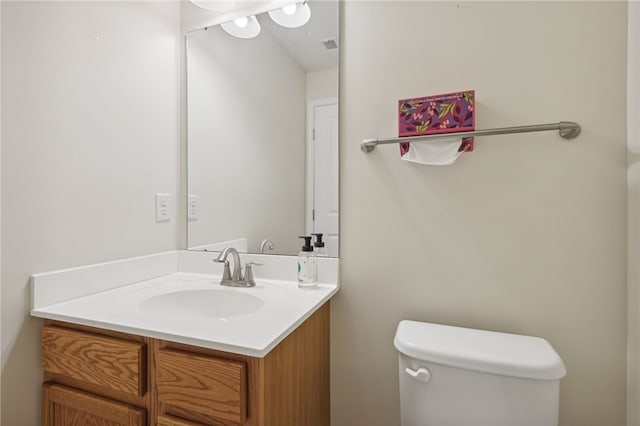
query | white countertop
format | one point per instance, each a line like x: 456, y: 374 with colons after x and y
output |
x: 275, y: 308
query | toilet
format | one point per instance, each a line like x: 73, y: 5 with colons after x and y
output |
x: 453, y: 376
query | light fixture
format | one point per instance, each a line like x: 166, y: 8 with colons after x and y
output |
x: 214, y: 5
x: 292, y: 16
x: 244, y: 27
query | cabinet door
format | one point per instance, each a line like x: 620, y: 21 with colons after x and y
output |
x: 64, y: 406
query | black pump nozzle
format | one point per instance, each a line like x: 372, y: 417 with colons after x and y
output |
x: 307, y: 244
x: 318, y: 242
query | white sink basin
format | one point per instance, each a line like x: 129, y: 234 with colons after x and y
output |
x: 199, y: 303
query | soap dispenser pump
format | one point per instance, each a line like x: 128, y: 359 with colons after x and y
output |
x: 318, y: 246
x: 307, y: 265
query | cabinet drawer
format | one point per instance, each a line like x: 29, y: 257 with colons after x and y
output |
x: 169, y: 421
x: 64, y: 406
x: 104, y: 361
x: 201, y: 388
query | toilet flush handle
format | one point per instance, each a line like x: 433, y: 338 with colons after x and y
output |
x: 421, y: 374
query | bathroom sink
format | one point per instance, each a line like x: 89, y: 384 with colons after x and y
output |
x: 202, y: 303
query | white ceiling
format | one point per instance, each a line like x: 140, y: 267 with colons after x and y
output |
x: 304, y: 44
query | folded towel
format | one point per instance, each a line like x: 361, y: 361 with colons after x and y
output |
x: 439, y: 152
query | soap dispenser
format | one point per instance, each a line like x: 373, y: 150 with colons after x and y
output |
x: 319, y: 247
x: 307, y: 265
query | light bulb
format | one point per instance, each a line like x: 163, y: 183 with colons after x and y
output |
x: 291, y: 16
x: 241, y: 22
x: 244, y: 27
x: 290, y: 9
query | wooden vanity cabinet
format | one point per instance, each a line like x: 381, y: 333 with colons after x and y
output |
x: 99, y: 377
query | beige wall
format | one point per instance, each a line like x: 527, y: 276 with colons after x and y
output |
x: 90, y: 114
x: 526, y: 235
x: 633, y: 233
x: 322, y: 84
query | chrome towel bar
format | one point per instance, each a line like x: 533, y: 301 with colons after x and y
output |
x: 567, y: 129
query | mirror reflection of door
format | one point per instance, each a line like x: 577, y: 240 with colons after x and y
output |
x: 322, y: 175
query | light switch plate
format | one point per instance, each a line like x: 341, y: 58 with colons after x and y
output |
x: 193, y: 203
x: 163, y: 212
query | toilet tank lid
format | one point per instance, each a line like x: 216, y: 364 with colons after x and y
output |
x: 480, y: 350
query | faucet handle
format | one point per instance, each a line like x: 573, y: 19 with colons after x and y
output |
x: 222, y: 256
x: 268, y: 244
x: 226, y: 273
x: 248, y: 272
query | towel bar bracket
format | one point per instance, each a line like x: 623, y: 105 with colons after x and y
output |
x: 566, y: 129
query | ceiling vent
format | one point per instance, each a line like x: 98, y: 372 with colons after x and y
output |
x: 330, y: 44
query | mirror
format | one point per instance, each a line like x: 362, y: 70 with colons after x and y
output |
x: 263, y: 135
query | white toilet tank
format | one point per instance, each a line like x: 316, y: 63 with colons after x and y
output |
x: 452, y: 376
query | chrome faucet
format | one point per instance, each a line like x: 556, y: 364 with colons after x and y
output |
x: 237, y: 279
x: 266, y: 243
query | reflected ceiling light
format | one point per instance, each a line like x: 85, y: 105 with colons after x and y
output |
x: 292, y: 16
x: 215, y: 5
x: 244, y: 27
